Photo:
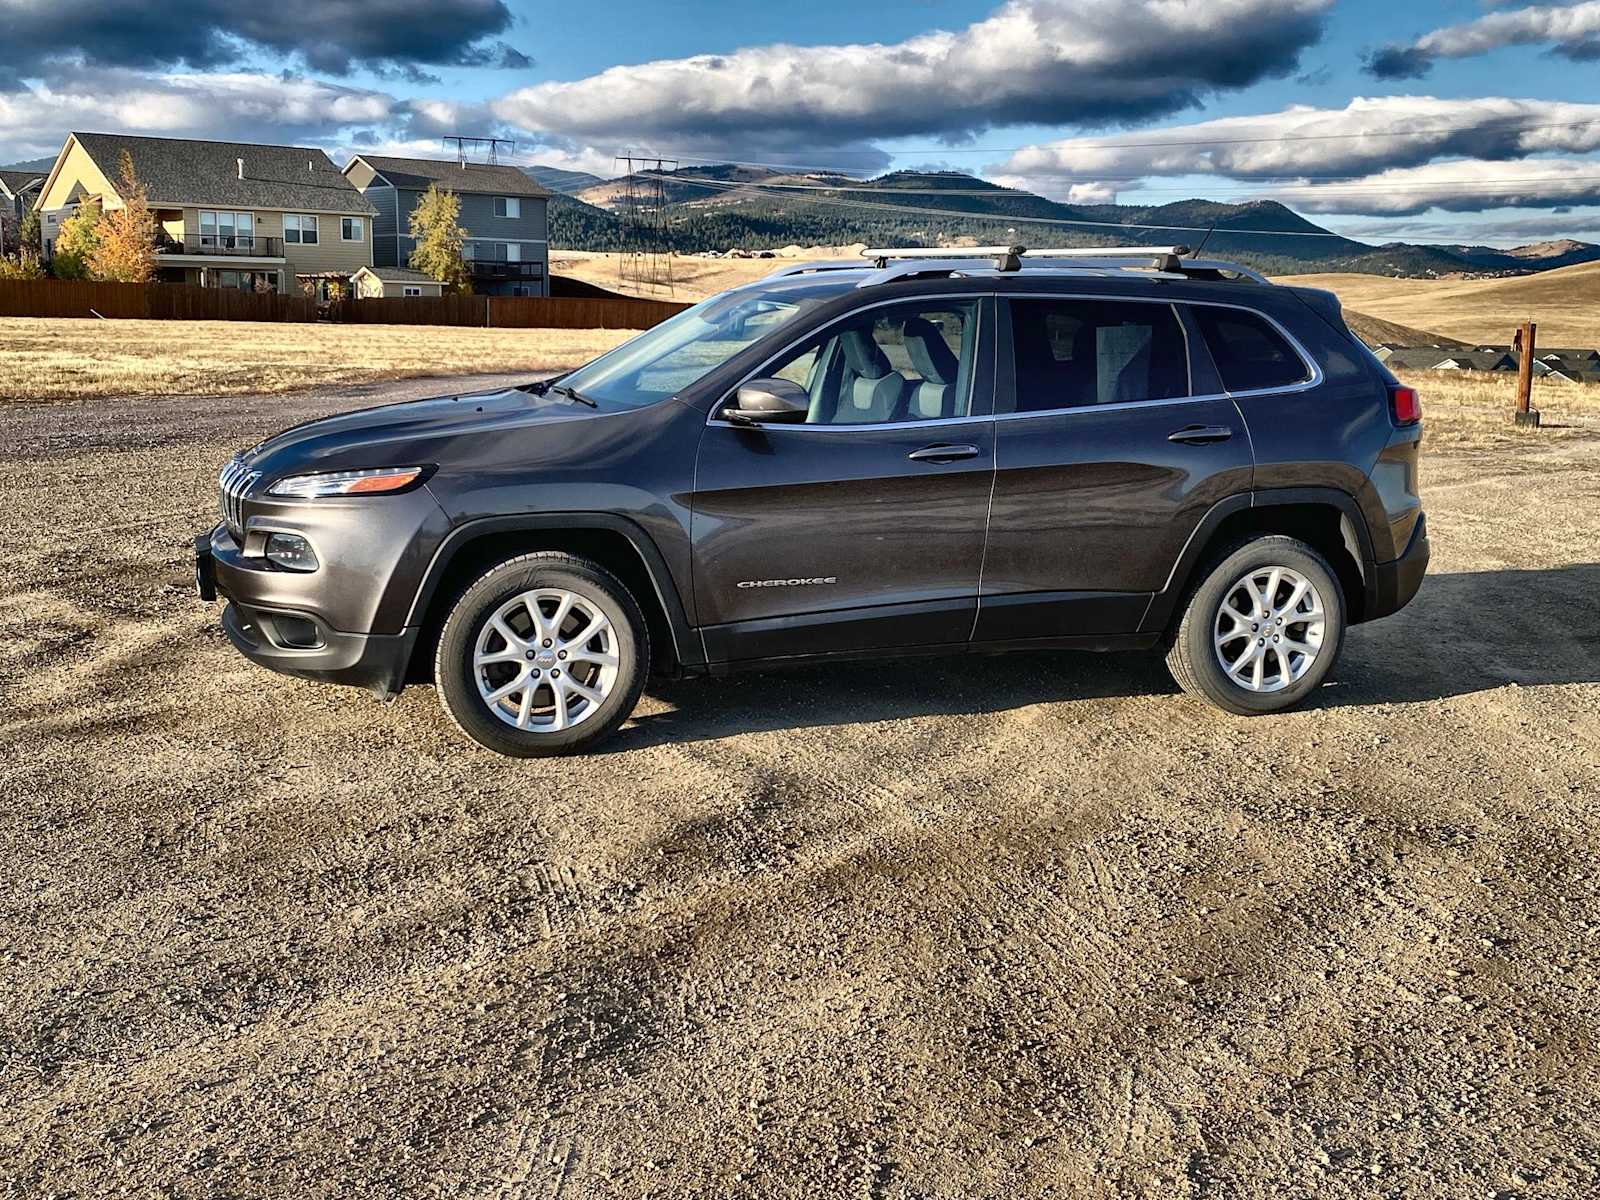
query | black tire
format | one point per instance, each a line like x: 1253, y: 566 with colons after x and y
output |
x: 1192, y: 656
x: 456, y: 676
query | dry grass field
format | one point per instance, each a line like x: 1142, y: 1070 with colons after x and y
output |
x: 1565, y: 303
x: 56, y: 360
x: 1469, y: 410
x: 694, y: 277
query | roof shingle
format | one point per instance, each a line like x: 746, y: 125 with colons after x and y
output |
x: 184, y: 171
x: 478, y: 178
x: 16, y: 181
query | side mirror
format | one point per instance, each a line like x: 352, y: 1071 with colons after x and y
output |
x: 769, y: 401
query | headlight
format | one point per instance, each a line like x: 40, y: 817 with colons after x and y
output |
x: 346, y: 483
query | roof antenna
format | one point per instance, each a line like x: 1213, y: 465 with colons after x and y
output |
x: 1195, y: 253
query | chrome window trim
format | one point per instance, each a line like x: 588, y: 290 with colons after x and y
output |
x: 712, y: 419
x: 1314, y: 379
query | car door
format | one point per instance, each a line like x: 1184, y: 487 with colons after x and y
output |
x: 1112, y: 442
x: 863, y: 525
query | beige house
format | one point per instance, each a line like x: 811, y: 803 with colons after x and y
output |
x: 229, y: 214
x: 371, y: 283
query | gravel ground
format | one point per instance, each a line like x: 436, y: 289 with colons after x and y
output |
x: 1006, y: 927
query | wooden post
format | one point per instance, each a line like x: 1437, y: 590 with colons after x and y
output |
x: 1523, y: 343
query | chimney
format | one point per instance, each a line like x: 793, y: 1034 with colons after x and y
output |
x: 240, y: 161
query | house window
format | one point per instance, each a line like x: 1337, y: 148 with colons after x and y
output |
x: 299, y: 229
x: 411, y: 291
x: 513, y: 252
x: 349, y: 228
x: 469, y: 251
x: 227, y: 230
x: 507, y: 206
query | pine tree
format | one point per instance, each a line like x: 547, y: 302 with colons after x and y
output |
x: 126, y: 249
x: 436, y: 229
x: 75, y: 244
x: 24, y: 262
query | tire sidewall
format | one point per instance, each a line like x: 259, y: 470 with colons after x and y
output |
x: 1207, y: 599
x: 455, y: 674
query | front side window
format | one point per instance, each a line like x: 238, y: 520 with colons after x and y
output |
x: 300, y: 229
x: 663, y: 361
x: 1250, y: 354
x: 507, y: 206
x: 905, y: 363
x: 1078, y: 353
x: 350, y: 229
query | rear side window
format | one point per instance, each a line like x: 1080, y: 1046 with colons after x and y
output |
x: 1077, y: 353
x: 1250, y: 354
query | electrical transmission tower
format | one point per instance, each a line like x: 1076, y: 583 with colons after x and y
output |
x: 494, y: 144
x: 646, y: 258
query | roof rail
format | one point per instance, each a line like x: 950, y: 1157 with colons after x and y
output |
x: 1006, y: 257
x: 1175, y: 260
x: 904, y: 262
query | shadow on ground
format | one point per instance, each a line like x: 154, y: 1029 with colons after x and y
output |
x: 1463, y: 633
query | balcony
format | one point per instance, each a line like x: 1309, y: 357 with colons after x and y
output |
x: 480, y: 269
x: 226, y: 245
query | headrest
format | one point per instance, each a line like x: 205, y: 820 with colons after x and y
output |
x: 863, y: 355
x: 930, y: 353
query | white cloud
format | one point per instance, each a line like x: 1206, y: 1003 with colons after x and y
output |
x: 1460, y: 185
x: 1572, y: 31
x: 1081, y: 61
x: 1474, y: 144
x: 244, y: 106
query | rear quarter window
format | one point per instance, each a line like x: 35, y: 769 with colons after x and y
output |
x: 1250, y: 354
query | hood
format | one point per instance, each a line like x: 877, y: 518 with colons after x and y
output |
x: 437, y: 431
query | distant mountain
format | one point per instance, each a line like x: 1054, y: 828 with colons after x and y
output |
x: 575, y: 225
x: 715, y: 207
x: 42, y: 165
x: 558, y: 180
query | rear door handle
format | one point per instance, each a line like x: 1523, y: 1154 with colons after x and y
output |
x: 1196, y: 435
x: 942, y: 453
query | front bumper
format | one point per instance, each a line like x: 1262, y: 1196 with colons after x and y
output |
x: 295, y: 641
x: 1395, y: 583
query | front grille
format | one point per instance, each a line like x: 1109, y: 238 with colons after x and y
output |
x: 233, y: 485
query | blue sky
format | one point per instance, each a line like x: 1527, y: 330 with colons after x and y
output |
x: 1480, y: 121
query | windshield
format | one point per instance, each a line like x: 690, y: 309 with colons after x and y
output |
x: 661, y: 362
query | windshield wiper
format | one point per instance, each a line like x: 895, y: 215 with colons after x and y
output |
x: 562, y: 389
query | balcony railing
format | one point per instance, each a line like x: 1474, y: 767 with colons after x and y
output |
x: 482, y: 269
x: 225, y: 244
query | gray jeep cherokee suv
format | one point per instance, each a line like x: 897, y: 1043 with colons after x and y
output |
x: 925, y: 453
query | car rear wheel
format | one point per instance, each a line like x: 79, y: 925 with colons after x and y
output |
x: 545, y: 654
x: 1262, y: 630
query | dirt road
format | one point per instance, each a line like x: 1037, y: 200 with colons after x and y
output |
x: 1001, y: 927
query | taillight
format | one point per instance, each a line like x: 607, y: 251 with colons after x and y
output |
x: 1405, y: 406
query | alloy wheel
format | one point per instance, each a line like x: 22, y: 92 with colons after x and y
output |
x: 1269, y: 629
x: 546, y: 660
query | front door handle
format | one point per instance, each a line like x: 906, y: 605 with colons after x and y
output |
x: 1197, y: 435
x: 942, y: 453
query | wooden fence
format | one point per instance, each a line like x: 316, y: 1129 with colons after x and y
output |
x: 186, y: 302
x: 509, y: 312
x: 155, y: 301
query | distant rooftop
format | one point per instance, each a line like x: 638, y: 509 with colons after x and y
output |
x: 17, y: 181
x: 478, y: 178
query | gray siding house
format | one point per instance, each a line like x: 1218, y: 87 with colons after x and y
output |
x: 502, y: 210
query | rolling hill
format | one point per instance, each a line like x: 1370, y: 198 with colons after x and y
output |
x: 1565, y: 303
x: 719, y: 206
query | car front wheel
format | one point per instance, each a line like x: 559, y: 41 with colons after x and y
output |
x: 545, y: 654
x: 1262, y: 630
